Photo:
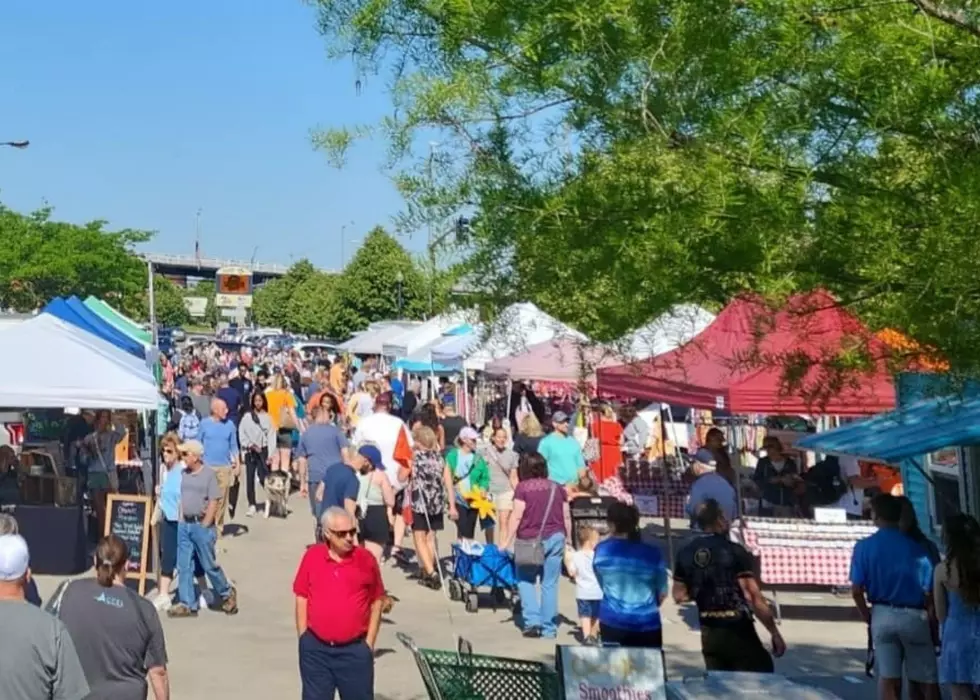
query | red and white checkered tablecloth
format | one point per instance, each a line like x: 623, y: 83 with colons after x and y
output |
x: 801, y: 552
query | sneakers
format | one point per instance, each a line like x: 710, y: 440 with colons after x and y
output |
x: 181, y: 610
x: 532, y: 633
x: 162, y: 601
x: 250, y: 512
x: 229, y: 605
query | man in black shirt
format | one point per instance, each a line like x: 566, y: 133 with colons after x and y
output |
x: 719, y: 575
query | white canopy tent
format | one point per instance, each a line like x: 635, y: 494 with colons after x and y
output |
x: 52, y: 364
x: 671, y: 330
x: 518, y: 327
x: 371, y: 341
x: 412, y: 339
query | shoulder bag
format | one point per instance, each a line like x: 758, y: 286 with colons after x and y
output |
x: 530, y: 553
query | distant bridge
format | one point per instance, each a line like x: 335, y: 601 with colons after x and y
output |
x: 179, y: 267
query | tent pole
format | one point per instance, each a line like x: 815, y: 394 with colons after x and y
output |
x: 668, y: 531
x: 466, y: 398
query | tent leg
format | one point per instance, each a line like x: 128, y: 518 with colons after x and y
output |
x: 668, y: 532
x: 466, y: 398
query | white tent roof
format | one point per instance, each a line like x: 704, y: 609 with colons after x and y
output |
x: 671, y: 330
x: 517, y: 327
x: 371, y: 341
x: 410, y: 340
x: 52, y: 364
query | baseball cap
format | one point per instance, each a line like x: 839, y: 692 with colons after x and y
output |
x: 193, y: 446
x: 559, y: 417
x: 372, y: 454
x: 468, y: 433
x: 14, y: 557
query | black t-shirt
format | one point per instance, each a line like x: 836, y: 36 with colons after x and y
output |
x: 452, y: 425
x: 710, y: 568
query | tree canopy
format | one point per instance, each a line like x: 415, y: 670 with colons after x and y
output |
x: 41, y: 259
x: 619, y: 156
x: 168, y: 300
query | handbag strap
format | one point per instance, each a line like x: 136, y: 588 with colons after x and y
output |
x: 547, y: 510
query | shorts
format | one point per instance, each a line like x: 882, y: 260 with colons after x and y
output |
x: 431, y: 523
x: 284, y: 439
x: 374, y: 525
x: 902, y: 637
x: 466, y: 522
x: 588, y: 608
x: 734, y: 648
x: 504, y: 501
x: 102, y: 481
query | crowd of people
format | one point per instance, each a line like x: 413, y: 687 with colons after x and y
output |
x: 377, y: 462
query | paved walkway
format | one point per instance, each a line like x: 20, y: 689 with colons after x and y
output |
x: 253, y: 655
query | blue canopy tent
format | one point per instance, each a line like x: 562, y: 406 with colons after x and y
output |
x: 73, y: 311
x: 926, y: 423
x: 421, y: 362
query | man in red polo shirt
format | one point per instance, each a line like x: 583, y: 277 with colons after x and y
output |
x: 338, y: 613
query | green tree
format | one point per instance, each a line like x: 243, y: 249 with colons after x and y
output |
x: 622, y: 156
x: 270, y: 303
x: 309, y: 306
x: 41, y: 259
x: 368, y: 289
x: 168, y: 299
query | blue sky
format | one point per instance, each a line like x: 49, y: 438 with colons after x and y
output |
x: 142, y: 113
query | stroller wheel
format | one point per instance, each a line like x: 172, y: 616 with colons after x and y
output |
x: 455, y: 590
x: 472, y: 603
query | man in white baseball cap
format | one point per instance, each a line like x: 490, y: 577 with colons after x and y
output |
x: 37, y: 656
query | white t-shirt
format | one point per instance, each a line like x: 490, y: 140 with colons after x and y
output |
x: 586, y: 583
x: 853, y: 499
x: 383, y: 430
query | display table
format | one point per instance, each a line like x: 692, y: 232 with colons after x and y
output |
x: 801, y: 552
x: 55, y: 537
x: 664, y: 498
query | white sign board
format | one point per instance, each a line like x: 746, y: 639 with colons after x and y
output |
x: 648, y: 506
x: 233, y: 301
x: 830, y: 515
x: 196, y: 306
x: 599, y: 673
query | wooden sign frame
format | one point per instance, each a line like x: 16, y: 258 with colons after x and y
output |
x: 140, y: 575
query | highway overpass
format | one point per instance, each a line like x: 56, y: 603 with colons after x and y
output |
x: 181, y: 267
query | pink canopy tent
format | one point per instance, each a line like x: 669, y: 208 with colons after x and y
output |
x: 557, y: 360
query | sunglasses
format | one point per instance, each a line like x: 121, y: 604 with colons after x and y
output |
x: 168, y: 450
x: 344, y: 533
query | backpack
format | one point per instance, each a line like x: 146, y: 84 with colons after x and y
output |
x: 824, y: 484
x: 189, y: 426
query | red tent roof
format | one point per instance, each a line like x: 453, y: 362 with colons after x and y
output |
x: 742, y: 361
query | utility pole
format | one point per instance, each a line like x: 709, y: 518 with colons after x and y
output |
x: 431, y: 247
x: 151, y: 296
x: 197, y: 238
x: 343, y: 244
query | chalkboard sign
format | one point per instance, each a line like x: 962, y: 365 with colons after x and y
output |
x: 128, y: 518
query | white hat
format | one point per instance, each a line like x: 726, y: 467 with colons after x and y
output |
x: 14, y: 557
x: 468, y: 433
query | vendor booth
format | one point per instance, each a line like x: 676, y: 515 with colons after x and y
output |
x: 117, y: 319
x: 738, y: 366
x: 371, y: 341
x: 58, y: 365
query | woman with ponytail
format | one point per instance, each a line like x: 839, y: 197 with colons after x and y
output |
x: 116, y: 632
x: 633, y: 577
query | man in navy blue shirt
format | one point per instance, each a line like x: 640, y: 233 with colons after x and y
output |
x: 893, y: 573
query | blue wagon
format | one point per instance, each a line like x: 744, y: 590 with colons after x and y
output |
x: 491, y: 569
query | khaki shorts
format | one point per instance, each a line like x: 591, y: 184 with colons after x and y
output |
x: 504, y: 501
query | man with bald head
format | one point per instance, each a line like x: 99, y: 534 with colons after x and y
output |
x: 339, y: 595
x: 219, y: 437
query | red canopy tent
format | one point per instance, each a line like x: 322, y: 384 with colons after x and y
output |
x: 744, y: 360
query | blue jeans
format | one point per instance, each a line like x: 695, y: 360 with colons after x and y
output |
x: 195, y: 539
x: 542, y: 613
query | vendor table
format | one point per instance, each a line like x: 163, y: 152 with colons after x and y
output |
x: 801, y: 552
x: 647, y: 479
x: 55, y: 537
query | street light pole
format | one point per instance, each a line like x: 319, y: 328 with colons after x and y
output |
x: 400, y: 279
x: 343, y: 241
x: 151, y: 294
x: 431, y: 248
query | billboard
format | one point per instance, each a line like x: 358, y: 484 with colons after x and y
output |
x: 196, y: 306
x: 233, y: 287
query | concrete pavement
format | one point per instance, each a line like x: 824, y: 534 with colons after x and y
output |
x: 253, y: 655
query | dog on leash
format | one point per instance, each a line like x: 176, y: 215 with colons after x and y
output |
x: 277, y: 494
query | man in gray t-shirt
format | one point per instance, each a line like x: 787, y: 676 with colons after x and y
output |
x: 196, y: 534
x: 37, y: 657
